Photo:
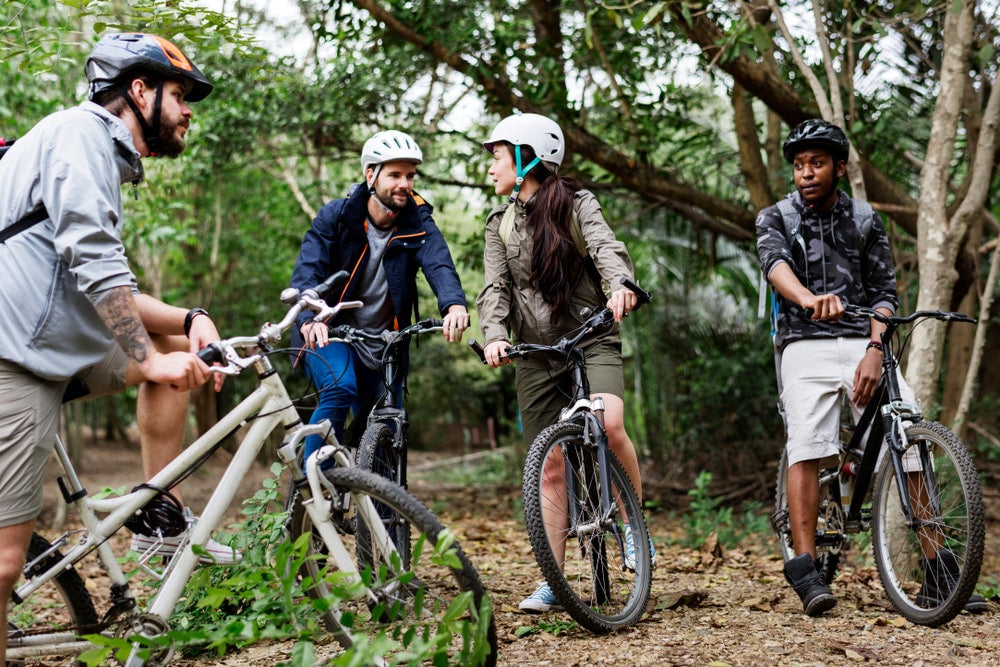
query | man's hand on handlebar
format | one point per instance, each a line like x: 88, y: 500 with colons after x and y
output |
x: 315, y: 334
x: 202, y: 333
x: 824, y: 307
x: 455, y: 323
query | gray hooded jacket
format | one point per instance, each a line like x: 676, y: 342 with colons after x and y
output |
x: 73, y: 163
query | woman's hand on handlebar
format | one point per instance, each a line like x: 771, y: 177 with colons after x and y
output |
x: 495, y: 353
x: 315, y: 334
x: 622, y: 302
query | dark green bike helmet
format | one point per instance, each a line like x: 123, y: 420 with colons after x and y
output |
x: 818, y: 133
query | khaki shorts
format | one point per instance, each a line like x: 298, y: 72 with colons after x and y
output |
x: 815, y: 373
x: 29, y: 419
x: 541, y: 394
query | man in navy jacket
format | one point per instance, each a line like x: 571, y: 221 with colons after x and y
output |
x: 380, y: 235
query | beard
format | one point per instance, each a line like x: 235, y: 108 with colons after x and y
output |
x: 171, y: 140
x: 385, y: 196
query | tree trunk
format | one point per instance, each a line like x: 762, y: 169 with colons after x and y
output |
x: 938, y: 237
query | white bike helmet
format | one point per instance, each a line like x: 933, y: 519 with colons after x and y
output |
x: 530, y: 129
x: 390, y: 146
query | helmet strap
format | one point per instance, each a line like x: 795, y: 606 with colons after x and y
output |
x: 150, y: 131
x: 520, y: 173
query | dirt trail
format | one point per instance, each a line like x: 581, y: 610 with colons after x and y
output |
x: 712, y: 607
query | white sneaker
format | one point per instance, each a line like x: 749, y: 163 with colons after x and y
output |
x: 541, y: 601
x: 218, y: 553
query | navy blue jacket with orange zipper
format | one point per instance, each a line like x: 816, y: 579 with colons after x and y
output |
x: 337, y: 241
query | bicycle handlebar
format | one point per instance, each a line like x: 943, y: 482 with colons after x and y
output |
x: 602, y: 319
x: 896, y: 321
x: 348, y: 334
x: 224, y: 351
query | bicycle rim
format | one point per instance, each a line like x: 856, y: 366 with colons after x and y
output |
x: 580, y: 553
x: 377, y: 454
x: 437, y: 595
x: 61, y: 604
x: 830, y: 535
x: 929, y: 570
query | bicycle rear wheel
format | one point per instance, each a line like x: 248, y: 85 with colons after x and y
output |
x: 61, y: 604
x: 830, y: 535
x: 580, y: 551
x: 929, y: 566
x: 378, y: 454
x: 438, y: 592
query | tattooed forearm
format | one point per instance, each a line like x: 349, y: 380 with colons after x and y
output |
x: 118, y: 311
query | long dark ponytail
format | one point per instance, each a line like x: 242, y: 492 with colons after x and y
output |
x: 555, y: 260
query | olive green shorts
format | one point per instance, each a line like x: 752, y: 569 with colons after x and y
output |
x: 29, y: 418
x: 542, y: 393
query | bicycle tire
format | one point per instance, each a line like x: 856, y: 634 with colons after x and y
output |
x: 590, y: 579
x: 378, y: 454
x: 953, y: 508
x: 452, y: 576
x: 831, y: 538
x: 62, y: 603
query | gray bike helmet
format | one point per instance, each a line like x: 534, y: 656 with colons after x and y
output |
x: 816, y: 132
x: 117, y: 55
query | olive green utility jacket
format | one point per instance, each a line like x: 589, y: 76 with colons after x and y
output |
x: 510, y: 306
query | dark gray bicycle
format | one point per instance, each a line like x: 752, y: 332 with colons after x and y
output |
x: 912, y: 483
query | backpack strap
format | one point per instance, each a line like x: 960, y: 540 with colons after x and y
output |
x: 790, y: 216
x: 575, y: 230
x: 864, y: 218
x: 24, y: 223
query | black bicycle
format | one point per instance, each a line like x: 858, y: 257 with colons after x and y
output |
x: 381, y: 445
x: 583, y: 515
x: 912, y: 483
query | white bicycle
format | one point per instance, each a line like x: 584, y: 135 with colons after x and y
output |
x: 51, y: 610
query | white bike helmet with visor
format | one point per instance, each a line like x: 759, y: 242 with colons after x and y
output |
x: 542, y: 134
x: 387, y: 146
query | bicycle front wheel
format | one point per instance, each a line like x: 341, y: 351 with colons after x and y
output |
x: 377, y: 453
x: 579, y: 543
x: 436, y: 604
x: 929, y: 562
x: 61, y: 606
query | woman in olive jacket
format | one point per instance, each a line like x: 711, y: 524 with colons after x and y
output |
x: 546, y: 262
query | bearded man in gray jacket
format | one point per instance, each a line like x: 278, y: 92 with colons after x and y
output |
x: 70, y: 310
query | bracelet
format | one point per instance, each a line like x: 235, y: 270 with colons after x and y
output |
x: 189, y: 318
x: 875, y: 345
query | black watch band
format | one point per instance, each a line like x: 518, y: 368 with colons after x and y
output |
x: 189, y: 318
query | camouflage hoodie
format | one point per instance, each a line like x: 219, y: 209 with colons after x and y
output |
x: 830, y: 258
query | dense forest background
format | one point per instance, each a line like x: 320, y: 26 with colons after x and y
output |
x: 674, y: 113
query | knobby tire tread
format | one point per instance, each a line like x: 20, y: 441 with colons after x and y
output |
x: 377, y: 454
x: 579, y: 609
x: 381, y: 490
x: 968, y: 485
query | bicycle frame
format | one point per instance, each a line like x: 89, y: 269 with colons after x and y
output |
x: 267, y: 407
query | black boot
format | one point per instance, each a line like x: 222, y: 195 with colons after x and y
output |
x: 816, y: 597
x: 940, y: 576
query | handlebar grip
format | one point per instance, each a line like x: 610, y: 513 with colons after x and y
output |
x: 336, y: 280
x: 644, y: 296
x: 211, y: 354
x: 478, y: 349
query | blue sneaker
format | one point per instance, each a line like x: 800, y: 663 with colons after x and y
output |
x: 541, y: 601
x: 629, y: 561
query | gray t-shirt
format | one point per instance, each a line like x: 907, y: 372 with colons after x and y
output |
x: 377, y: 313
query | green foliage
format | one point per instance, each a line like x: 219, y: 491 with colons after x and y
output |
x: 554, y: 627
x: 707, y: 516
